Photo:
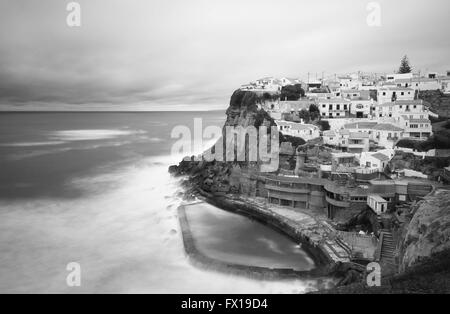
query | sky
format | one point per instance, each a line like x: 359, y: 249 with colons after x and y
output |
x: 192, y: 54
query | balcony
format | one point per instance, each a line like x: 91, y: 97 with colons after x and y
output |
x: 287, y: 189
x: 337, y: 203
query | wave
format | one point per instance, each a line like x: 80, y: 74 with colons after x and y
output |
x: 93, y: 134
x: 125, y: 236
x: 31, y: 144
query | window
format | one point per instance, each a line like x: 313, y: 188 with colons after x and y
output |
x: 324, y: 106
x: 384, y: 93
x: 402, y: 93
x: 414, y: 106
x: 338, y: 107
x: 338, y: 114
x: 345, y: 107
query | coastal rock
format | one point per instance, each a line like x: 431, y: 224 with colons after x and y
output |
x: 428, y: 231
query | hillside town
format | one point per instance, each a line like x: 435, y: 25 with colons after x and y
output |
x: 350, y: 174
x: 363, y: 174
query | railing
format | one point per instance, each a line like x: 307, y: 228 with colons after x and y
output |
x: 336, y: 202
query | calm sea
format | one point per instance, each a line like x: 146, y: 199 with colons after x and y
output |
x: 93, y: 188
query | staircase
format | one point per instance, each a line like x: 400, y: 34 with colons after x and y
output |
x: 387, y: 255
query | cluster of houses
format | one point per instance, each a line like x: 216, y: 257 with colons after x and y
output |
x: 367, y: 113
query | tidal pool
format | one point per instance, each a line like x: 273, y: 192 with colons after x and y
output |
x: 233, y: 238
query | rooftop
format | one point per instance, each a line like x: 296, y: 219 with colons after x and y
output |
x: 416, y: 79
x: 378, y: 198
x: 296, y: 126
x: 333, y: 100
x: 387, y: 127
x: 396, y: 89
x: 360, y: 125
x: 380, y: 156
x: 356, y: 135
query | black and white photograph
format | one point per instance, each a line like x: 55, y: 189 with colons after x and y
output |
x: 212, y: 148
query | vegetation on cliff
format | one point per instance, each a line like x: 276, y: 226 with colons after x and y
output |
x: 437, y: 101
x: 292, y: 92
x: 431, y: 166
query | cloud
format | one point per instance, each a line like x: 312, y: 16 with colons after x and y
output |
x: 193, y: 54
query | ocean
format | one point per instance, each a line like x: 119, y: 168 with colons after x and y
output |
x: 93, y: 188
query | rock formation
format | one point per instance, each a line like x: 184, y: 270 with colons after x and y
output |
x: 428, y: 232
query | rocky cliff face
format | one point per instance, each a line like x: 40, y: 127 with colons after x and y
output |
x: 217, y: 176
x: 243, y: 111
x: 428, y: 231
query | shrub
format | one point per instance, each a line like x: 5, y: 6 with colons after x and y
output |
x: 292, y: 92
x: 324, y: 125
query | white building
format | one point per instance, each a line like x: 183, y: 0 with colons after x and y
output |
x: 399, y: 76
x: 377, y: 161
x: 420, y: 83
x: 349, y: 82
x: 334, y: 107
x: 390, y: 94
x: 386, y: 135
x: 352, y: 142
x: 415, y: 126
x: 355, y: 94
x: 304, y: 131
x: 331, y: 138
x: 382, y: 134
x: 400, y: 107
x: 289, y: 81
x: 378, y: 204
x: 412, y: 116
x: 361, y: 108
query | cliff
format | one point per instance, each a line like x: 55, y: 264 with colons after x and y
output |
x: 217, y: 176
x: 428, y: 232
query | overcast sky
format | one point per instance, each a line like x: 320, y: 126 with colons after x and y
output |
x: 191, y: 54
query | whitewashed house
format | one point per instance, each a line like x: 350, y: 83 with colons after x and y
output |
x: 391, y: 94
x: 399, y: 76
x: 331, y: 137
x: 334, y: 107
x: 420, y: 83
x: 376, y: 161
x: 361, y: 108
x: 386, y: 135
x: 304, y: 131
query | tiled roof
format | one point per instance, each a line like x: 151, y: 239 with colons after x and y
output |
x: 387, y: 127
x: 381, y: 157
x: 355, y: 135
x: 360, y: 125
x: 334, y: 101
x: 329, y: 133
